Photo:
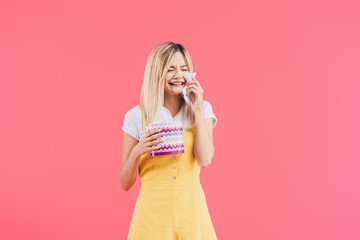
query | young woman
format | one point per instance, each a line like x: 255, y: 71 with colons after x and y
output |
x: 171, y: 203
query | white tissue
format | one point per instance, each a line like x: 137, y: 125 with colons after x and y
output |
x: 163, y: 115
x: 187, y: 96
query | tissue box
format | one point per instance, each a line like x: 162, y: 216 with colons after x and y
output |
x: 174, y: 140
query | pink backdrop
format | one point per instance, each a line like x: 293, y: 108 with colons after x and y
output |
x: 283, y: 79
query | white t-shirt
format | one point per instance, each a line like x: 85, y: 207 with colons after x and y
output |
x: 133, y: 119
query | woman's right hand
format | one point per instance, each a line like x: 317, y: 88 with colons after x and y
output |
x: 147, y: 142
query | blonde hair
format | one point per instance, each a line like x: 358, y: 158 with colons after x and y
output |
x: 152, y: 90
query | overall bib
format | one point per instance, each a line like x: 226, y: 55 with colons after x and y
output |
x: 171, y: 203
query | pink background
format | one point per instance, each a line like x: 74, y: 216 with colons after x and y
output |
x: 283, y: 79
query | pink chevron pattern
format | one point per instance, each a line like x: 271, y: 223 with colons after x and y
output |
x: 174, y: 140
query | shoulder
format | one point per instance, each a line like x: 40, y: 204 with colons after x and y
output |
x: 207, y: 106
x: 133, y: 113
x: 133, y: 122
x: 208, y: 111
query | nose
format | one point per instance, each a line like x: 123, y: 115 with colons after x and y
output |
x: 177, y: 75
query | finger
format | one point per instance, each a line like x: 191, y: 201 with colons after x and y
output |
x: 153, y: 142
x: 196, y: 82
x: 155, y: 136
x: 153, y: 148
x: 148, y: 144
x: 192, y: 89
x: 156, y: 147
x: 191, y: 83
x: 198, y: 88
x: 158, y: 141
x: 153, y: 132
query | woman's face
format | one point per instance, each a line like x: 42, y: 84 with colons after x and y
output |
x: 176, y: 76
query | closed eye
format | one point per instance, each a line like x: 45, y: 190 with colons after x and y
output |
x: 170, y: 70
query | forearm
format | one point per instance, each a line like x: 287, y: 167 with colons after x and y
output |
x: 128, y: 172
x: 203, y: 146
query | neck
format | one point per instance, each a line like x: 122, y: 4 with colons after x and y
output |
x: 173, y: 103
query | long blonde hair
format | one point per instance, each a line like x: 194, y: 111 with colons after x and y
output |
x: 152, y: 90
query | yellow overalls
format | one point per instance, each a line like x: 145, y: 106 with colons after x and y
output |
x: 171, y: 203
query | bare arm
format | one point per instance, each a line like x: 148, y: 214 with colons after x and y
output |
x: 130, y: 162
x: 131, y: 154
x: 203, y: 146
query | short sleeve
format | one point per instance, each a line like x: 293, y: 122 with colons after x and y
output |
x: 131, y: 122
x: 208, y: 112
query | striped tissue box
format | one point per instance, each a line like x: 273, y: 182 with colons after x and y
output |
x: 174, y: 140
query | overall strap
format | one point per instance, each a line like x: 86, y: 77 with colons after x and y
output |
x: 143, y: 121
x: 143, y: 118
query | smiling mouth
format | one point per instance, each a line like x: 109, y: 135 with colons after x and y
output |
x: 177, y: 84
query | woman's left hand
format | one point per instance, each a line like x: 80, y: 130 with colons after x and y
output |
x: 196, y: 94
